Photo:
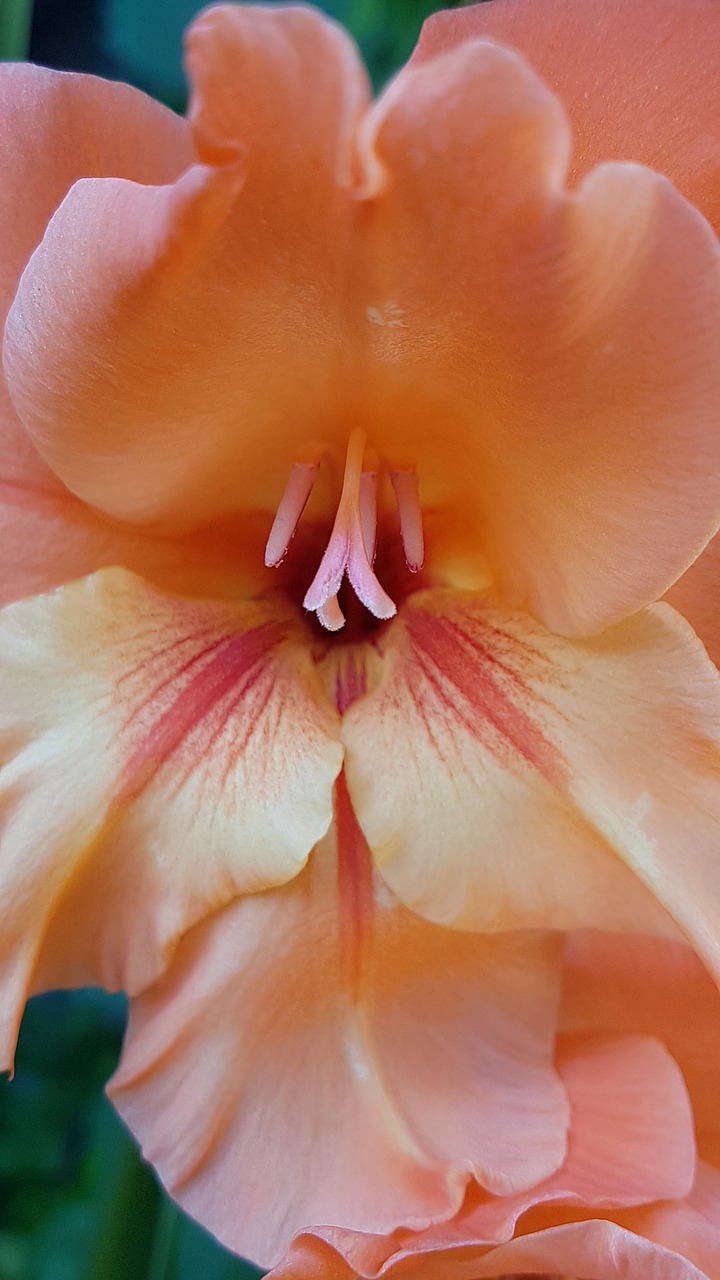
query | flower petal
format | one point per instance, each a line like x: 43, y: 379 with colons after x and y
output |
x: 171, y: 348
x: 160, y: 756
x: 505, y: 777
x: 620, y: 985
x: 58, y: 127
x: 548, y: 360
x: 638, y: 78
x: 257, y: 1056
x: 696, y: 595
x: 596, y: 1250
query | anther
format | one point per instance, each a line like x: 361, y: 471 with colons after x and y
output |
x: 292, y: 505
x: 407, y: 494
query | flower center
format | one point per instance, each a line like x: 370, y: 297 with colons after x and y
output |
x: 352, y: 544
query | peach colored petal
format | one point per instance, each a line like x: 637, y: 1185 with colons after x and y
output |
x: 505, y: 777
x: 159, y: 757
x: 57, y: 128
x: 696, y: 595
x: 691, y: 1226
x: 172, y: 348
x: 638, y: 78
x: 273, y: 1089
x: 625, y: 984
x: 549, y: 360
x: 630, y: 1142
x: 594, y: 1250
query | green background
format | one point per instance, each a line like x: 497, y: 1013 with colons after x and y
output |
x: 76, y: 1202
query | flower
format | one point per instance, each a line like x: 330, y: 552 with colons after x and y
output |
x: 639, y: 1192
x: 328, y: 855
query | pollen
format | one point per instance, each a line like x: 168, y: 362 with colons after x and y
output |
x: 351, y: 547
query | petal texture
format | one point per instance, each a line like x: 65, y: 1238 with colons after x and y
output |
x: 638, y: 78
x: 159, y: 757
x: 622, y: 985
x: 57, y: 128
x: 389, y: 1086
x: 190, y: 337
x: 565, y: 343
x: 507, y: 777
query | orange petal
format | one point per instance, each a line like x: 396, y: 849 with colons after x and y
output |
x: 628, y: 985
x: 631, y: 1140
x: 689, y: 1227
x: 696, y: 595
x: 57, y: 128
x: 160, y: 756
x: 171, y: 348
x: 505, y: 777
x: 548, y: 359
x: 638, y: 78
x: 596, y: 1250
x: 255, y: 1057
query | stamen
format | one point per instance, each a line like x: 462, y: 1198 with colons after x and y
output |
x: 331, y: 615
x: 368, y: 511
x: 407, y: 493
x: 347, y: 549
x: 292, y: 505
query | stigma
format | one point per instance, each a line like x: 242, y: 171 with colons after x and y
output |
x: 351, y: 547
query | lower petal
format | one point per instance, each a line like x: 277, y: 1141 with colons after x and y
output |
x: 390, y: 1085
x: 505, y: 777
x: 159, y: 756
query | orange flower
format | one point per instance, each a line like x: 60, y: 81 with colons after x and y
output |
x: 639, y: 1191
x: 487, y: 404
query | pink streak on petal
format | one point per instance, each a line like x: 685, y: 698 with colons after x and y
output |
x: 407, y: 492
x: 469, y: 675
x: 355, y: 888
x: 351, y: 680
x: 292, y: 505
x: 220, y: 675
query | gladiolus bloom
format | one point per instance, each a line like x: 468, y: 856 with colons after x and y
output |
x: 358, y: 447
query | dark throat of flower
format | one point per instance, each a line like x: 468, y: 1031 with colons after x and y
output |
x: 351, y: 549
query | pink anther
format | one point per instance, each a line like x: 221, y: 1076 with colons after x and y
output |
x: 351, y: 546
x: 407, y: 494
x: 292, y: 505
x: 331, y: 615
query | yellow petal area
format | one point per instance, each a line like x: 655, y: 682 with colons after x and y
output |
x: 159, y: 757
x: 271, y: 1093
x: 504, y: 776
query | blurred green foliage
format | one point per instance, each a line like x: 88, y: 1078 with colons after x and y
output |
x: 147, y: 38
x: 76, y: 1201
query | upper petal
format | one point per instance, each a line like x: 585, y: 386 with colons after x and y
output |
x: 548, y: 359
x: 159, y: 756
x: 59, y: 127
x: 255, y: 1058
x: 170, y: 349
x: 505, y: 777
x: 638, y: 78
